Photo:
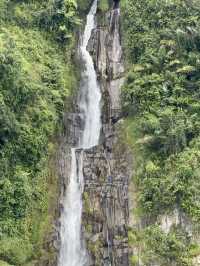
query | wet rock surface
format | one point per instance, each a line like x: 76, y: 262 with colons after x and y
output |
x: 105, y: 167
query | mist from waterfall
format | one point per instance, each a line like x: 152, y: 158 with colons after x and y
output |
x: 72, y: 252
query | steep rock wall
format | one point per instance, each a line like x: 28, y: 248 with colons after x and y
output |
x: 106, y: 167
x: 105, y: 211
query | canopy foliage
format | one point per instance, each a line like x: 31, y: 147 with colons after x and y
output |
x: 162, y: 97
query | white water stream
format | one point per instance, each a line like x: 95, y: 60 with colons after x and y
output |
x: 72, y: 252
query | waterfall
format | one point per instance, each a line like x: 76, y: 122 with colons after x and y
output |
x: 72, y: 252
x: 90, y: 101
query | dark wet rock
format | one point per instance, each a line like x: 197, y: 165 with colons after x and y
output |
x: 106, y: 167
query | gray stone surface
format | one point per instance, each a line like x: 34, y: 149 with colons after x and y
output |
x: 106, y: 167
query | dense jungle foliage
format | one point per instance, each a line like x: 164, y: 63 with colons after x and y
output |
x: 36, y: 76
x: 162, y: 98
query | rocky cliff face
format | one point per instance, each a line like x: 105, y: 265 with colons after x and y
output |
x: 106, y: 166
x: 105, y: 211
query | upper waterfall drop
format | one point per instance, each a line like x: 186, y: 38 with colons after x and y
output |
x: 72, y: 252
x: 90, y: 102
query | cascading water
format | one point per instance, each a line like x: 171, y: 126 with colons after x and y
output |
x: 72, y: 252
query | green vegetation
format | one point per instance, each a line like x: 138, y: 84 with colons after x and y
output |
x: 36, y: 77
x: 174, y: 248
x: 83, y: 6
x: 104, y: 5
x: 161, y: 96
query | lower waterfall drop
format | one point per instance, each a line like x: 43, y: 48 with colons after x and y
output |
x: 72, y: 252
